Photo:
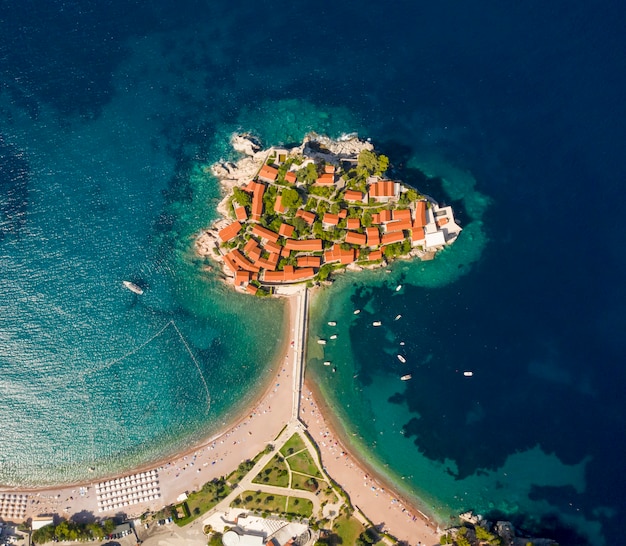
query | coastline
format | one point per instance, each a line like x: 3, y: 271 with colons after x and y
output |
x: 371, y: 492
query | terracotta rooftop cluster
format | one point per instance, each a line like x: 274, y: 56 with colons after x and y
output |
x: 259, y: 259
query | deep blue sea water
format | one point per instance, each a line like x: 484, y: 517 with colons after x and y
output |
x: 109, y: 113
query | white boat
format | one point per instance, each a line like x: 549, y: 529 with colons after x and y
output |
x: 468, y: 374
x: 398, y: 317
x: 133, y: 287
x: 406, y: 377
x: 402, y: 343
x: 321, y: 341
x: 334, y: 336
x: 332, y: 323
x: 401, y: 359
x: 376, y: 323
x: 327, y: 363
x: 398, y: 288
x: 357, y: 311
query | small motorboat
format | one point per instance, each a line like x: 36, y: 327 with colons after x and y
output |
x: 401, y: 359
x: 321, y: 342
x: 398, y: 317
x: 406, y: 377
x: 133, y: 287
x: 398, y: 288
x: 468, y: 374
x: 332, y: 323
x: 334, y: 336
x: 357, y: 311
x: 327, y: 363
x: 377, y: 323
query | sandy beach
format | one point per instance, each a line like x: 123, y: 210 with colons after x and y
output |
x: 259, y: 426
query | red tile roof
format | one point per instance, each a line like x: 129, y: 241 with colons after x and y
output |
x: 229, y: 232
x: 309, y: 261
x: 354, y: 238
x: 306, y: 215
x: 384, y: 188
x: 251, y: 288
x: 250, y: 245
x: 398, y: 225
x: 290, y: 177
x: 265, y: 264
x: 331, y: 219
x: 241, y: 214
x: 417, y: 234
x: 376, y: 218
x: 278, y: 205
x: 353, y: 223
x: 401, y: 214
x: 290, y: 274
x: 241, y: 261
x: 264, y: 233
x: 338, y: 254
x: 230, y: 263
x: 375, y: 255
x: 326, y: 179
x: 343, y: 213
x: 273, y: 247
x: 314, y: 245
x: 255, y: 253
x: 385, y: 216
x: 257, y: 201
x: 395, y: 237
x: 442, y: 221
x: 420, y: 214
x: 242, y: 277
x: 284, y: 253
x: 286, y: 230
x: 329, y: 169
x: 353, y: 195
x: 268, y: 173
x: 373, y: 236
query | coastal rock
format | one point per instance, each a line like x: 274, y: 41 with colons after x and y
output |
x: 245, y: 144
x: 316, y: 145
x: 470, y: 517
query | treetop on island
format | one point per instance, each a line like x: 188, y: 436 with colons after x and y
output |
x: 297, y: 215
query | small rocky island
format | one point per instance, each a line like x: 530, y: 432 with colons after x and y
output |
x: 296, y: 215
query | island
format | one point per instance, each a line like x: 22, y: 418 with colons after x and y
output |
x: 296, y: 215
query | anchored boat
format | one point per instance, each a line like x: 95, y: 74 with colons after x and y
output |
x: 406, y: 377
x: 133, y: 287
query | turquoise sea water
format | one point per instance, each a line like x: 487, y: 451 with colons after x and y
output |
x: 110, y: 113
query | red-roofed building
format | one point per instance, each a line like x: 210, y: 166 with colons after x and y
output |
x: 338, y: 254
x: 290, y: 177
x: 230, y: 263
x: 257, y: 202
x: 389, y: 238
x: 398, y: 225
x: 375, y: 255
x: 343, y: 213
x: 265, y: 264
x: 330, y: 219
x: 241, y: 214
x: 442, y: 221
x: 353, y: 195
x: 307, y: 216
x: 326, y: 179
x: 354, y: 238
x: 385, y: 216
x: 251, y: 289
x: 241, y: 261
x: 264, y: 233
x: 284, y: 253
x: 273, y: 247
x: 310, y: 245
x: 286, y: 230
x: 376, y: 218
x: 255, y: 253
x: 309, y: 261
x: 401, y: 214
x: 373, y: 236
x: 250, y: 246
x: 268, y: 174
x: 420, y: 214
x: 353, y: 223
x: 242, y: 278
x: 329, y: 169
x: 417, y: 235
x: 384, y: 191
x: 289, y: 275
x: 229, y: 232
x: 278, y: 205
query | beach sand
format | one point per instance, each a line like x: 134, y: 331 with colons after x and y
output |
x: 221, y: 454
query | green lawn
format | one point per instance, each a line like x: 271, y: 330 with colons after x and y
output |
x: 347, y: 529
x: 293, y: 445
x: 275, y: 504
x: 300, y: 507
x: 202, y: 501
x: 298, y: 481
x: 303, y: 462
x: 274, y: 473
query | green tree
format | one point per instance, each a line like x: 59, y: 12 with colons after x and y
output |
x: 366, y: 219
x: 291, y: 199
x: 242, y: 197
